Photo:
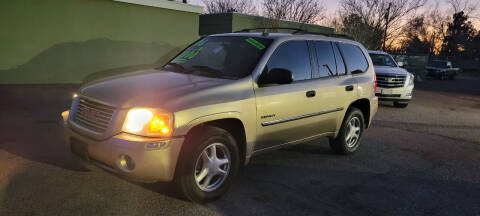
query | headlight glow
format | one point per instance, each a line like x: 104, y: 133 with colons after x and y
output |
x: 147, y: 122
x: 74, y: 95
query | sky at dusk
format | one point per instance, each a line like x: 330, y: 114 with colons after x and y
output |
x: 333, y: 5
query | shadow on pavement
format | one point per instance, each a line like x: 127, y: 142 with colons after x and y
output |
x: 271, y: 190
x: 461, y: 85
x: 29, y: 125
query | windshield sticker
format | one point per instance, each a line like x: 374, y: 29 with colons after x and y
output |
x: 191, y: 52
x: 255, y: 43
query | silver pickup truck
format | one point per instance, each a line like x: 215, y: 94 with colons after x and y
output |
x: 221, y: 101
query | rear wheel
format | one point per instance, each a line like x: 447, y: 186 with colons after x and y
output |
x: 400, y: 104
x: 349, y: 138
x: 209, y: 164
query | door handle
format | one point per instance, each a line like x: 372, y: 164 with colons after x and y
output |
x: 349, y: 88
x: 311, y: 93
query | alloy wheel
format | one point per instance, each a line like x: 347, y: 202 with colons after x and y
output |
x: 212, y: 167
x: 353, y: 132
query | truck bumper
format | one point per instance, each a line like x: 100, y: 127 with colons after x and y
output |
x: 136, y: 158
x: 403, y: 94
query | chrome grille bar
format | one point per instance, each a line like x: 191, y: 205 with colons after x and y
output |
x: 390, y: 81
x: 93, y: 115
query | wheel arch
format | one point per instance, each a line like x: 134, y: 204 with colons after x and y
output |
x: 363, y: 104
x: 231, y: 124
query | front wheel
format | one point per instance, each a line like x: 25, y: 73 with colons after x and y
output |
x: 209, y: 164
x: 349, y: 138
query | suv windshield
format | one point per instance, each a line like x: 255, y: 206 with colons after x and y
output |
x: 383, y: 60
x: 220, y: 56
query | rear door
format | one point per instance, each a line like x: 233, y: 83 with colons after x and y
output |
x: 334, y: 88
x: 356, y: 65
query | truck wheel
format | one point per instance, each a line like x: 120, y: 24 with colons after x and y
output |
x: 208, y: 165
x: 399, y: 104
x: 349, y: 138
x: 451, y: 77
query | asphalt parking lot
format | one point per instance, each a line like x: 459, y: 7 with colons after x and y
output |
x: 422, y: 160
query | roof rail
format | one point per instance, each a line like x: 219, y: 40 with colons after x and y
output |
x: 269, y: 28
x: 324, y: 34
x: 298, y: 31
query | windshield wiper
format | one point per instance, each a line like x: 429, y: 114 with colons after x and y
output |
x: 176, y: 65
x: 329, y: 70
x: 204, y: 67
x: 206, y: 70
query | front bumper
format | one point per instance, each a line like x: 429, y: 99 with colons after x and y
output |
x: 403, y: 94
x: 136, y: 158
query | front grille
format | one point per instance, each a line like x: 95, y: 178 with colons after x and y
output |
x: 390, y: 81
x: 93, y: 116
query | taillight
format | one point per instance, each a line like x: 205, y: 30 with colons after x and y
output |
x: 374, y: 82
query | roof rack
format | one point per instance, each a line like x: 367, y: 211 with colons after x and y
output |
x: 298, y: 31
x: 269, y: 28
x: 325, y: 34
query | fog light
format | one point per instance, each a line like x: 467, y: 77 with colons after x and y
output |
x: 157, y: 145
x: 126, y: 162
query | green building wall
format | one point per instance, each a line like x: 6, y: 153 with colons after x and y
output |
x: 231, y: 22
x: 70, y: 41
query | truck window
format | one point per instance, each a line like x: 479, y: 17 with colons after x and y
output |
x: 383, y: 60
x: 325, y: 59
x: 354, y: 57
x: 339, y: 61
x: 293, y: 56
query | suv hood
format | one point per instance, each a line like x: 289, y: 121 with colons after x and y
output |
x: 149, y: 88
x: 390, y: 70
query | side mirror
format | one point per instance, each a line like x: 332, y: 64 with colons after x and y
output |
x: 400, y: 64
x: 277, y: 76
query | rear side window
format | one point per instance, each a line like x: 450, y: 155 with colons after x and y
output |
x: 354, y: 57
x: 339, y: 60
x: 325, y: 58
x: 293, y: 56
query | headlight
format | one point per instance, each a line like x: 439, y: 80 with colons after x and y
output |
x: 148, y: 122
x: 411, y: 79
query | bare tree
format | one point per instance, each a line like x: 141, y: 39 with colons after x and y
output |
x: 467, y: 6
x: 303, y: 11
x: 437, y: 24
x: 225, y: 6
x: 385, y: 15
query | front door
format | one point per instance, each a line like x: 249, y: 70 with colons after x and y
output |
x: 283, y: 110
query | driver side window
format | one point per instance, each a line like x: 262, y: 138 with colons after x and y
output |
x: 292, y: 56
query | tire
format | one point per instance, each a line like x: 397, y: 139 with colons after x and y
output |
x: 399, y: 104
x: 197, y: 161
x: 451, y: 77
x: 340, y: 145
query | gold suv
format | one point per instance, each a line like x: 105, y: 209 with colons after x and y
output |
x: 224, y: 99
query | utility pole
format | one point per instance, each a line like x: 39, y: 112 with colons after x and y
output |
x: 387, y: 21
